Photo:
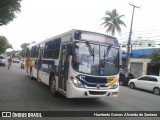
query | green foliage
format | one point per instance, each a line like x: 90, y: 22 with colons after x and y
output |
x: 4, y: 44
x: 8, y: 9
x: 14, y: 53
x: 22, y: 53
x: 155, y: 56
x: 112, y: 21
x: 24, y: 49
x: 24, y: 45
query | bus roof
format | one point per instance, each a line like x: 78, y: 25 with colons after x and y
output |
x: 71, y: 32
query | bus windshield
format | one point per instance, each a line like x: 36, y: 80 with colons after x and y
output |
x: 95, y: 59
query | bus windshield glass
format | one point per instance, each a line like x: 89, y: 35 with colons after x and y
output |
x: 95, y: 59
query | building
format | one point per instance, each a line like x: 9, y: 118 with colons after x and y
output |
x: 140, y: 64
x: 141, y: 53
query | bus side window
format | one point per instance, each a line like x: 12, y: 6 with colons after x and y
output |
x: 34, y: 51
x: 48, y: 50
x: 56, y: 48
x: 27, y: 53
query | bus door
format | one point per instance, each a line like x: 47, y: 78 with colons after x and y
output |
x: 27, y: 60
x: 39, y: 64
x: 64, y: 67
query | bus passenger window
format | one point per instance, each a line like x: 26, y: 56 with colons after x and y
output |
x: 55, y: 48
x: 48, y: 50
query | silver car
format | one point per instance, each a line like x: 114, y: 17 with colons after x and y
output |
x: 146, y: 82
x: 2, y: 61
x: 15, y: 60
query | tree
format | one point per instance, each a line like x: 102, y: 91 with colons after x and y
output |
x: 4, y: 44
x: 155, y: 56
x: 24, y: 49
x: 8, y: 9
x: 112, y: 21
x: 24, y: 45
x: 14, y: 53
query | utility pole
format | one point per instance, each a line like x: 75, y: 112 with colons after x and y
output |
x: 129, y: 38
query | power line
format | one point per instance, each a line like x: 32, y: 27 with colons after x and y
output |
x: 146, y: 30
x: 138, y: 32
x: 141, y: 38
x: 141, y: 34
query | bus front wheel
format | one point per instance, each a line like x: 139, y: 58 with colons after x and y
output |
x: 52, y: 86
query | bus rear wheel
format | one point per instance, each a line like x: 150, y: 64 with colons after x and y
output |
x: 52, y: 86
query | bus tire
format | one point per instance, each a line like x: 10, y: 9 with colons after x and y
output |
x: 32, y: 78
x: 52, y: 86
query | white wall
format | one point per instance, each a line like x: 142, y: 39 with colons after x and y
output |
x: 143, y: 61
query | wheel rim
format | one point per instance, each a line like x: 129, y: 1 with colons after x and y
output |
x: 132, y: 85
x: 156, y: 91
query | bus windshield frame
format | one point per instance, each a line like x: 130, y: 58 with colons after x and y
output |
x: 104, y: 60
x: 95, y: 54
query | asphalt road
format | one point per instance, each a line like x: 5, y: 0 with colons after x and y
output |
x: 19, y: 93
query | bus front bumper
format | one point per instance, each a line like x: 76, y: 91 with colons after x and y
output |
x: 74, y: 92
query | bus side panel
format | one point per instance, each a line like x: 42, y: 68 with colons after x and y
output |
x: 45, y: 77
x: 34, y: 71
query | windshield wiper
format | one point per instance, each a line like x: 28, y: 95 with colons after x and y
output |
x: 90, y: 49
x: 106, y: 52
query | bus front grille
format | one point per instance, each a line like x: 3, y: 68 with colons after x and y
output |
x: 92, y: 81
x: 97, y: 92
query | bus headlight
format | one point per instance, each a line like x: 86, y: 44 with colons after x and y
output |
x: 76, y: 82
x: 114, y: 86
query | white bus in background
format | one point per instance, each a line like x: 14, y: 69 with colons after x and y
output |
x: 76, y: 64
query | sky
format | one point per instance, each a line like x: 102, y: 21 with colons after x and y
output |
x: 42, y: 19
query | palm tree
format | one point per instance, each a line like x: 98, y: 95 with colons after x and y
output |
x: 112, y: 21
